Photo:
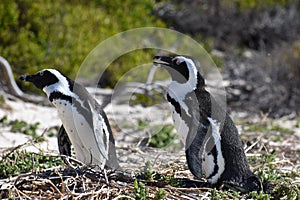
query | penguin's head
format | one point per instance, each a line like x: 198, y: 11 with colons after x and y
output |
x: 182, y: 69
x: 48, y: 80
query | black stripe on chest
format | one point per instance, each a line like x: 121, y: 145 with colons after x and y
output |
x: 175, y: 104
x: 214, y: 153
x: 61, y: 96
x: 84, y: 111
x: 182, y: 113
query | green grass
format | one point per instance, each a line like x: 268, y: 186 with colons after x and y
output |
x: 21, y: 126
x: 164, y: 137
x: 282, y: 129
x: 148, y: 174
x: 160, y: 194
x: 18, y: 162
x: 264, y: 128
x: 255, y: 4
x: 140, y: 192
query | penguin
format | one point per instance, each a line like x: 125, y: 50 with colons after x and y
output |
x: 83, y: 119
x: 213, y: 146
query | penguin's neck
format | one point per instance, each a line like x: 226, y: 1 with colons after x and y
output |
x: 178, y: 91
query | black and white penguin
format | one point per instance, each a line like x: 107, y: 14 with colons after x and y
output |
x: 83, y: 119
x: 213, y: 145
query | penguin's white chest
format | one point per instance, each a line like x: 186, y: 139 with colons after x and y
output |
x: 70, y: 118
x: 80, y: 133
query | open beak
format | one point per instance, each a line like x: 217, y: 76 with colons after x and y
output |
x: 162, y: 60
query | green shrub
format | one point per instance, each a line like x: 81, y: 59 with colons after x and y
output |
x: 164, y: 137
x: 60, y: 34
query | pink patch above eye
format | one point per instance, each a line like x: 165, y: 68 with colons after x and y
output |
x: 177, y: 60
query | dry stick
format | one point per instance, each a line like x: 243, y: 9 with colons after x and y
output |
x: 123, y: 196
x: 61, y: 178
x: 185, y: 195
x: 172, y: 194
x: 87, y: 193
x: 50, y: 183
x: 21, y: 193
x: 250, y: 147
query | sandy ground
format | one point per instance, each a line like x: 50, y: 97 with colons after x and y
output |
x: 31, y: 113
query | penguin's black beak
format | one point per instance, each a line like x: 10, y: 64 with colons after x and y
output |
x: 23, y: 78
x: 163, y: 60
x: 29, y: 78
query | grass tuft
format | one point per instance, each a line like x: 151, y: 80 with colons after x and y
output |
x: 18, y: 162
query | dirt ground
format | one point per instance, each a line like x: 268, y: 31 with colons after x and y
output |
x: 272, y: 147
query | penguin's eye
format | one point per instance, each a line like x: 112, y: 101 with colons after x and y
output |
x: 177, y: 61
x: 41, y: 73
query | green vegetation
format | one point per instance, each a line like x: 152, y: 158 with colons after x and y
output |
x: 2, y: 99
x: 52, y: 132
x: 160, y: 194
x: 250, y: 4
x: 22, y: 126
x: 18, y: 162
x: 262, y: 128
x: 148, y: 174
x: 164, y: 137
x: 60, y: 34
x: 139, y: 192
x: 3, y: 103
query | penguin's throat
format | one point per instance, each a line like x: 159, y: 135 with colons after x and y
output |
x: 58, y: 88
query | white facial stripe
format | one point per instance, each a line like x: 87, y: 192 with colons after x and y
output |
x: 61, y: 86
x: 178, y: 91
x: 220, y: 159
x: 191, y: 65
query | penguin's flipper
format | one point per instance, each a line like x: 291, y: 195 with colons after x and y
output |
x: 64, y: 143
x: 194, y: 162
x: 195, y: 148
x: 101, y: 133
x: 112, y: 161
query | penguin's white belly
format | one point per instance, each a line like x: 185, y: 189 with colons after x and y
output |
x: 80, y: 133
x: 208, y: 165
